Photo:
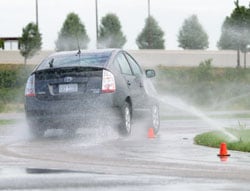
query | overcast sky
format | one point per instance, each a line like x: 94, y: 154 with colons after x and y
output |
x: 170, y: 14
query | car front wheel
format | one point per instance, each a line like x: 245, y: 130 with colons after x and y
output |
x: 155, y: 118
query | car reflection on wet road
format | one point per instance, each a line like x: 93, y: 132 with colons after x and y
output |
x: 102, y: 160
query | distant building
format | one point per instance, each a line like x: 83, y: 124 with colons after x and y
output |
x: 9, y: 43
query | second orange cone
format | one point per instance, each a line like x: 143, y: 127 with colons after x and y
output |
x: 223, y: 150
x: 151, y: 133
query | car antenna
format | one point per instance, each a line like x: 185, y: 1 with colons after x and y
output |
x: 51, y: 63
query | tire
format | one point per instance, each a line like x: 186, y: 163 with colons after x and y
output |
x: 125, y: 126
x: 36, y: 129
x: 70, y: 131
x: 155, y: 118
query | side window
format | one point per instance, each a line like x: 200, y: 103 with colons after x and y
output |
x: 122, y: 64
x: 135, y: 67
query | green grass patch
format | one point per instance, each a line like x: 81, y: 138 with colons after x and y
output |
x: 7, y: 121
x: 12, y: 81
x: 215, y: 138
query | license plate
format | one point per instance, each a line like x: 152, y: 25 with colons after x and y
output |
x: 68, y: 88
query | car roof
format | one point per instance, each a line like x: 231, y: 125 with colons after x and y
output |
x: 93, y: 51
x: 109, y: 52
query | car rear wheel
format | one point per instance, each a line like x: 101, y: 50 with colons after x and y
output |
x: 37, y: 133
x: 125, y: 127
x: 35, y: 129
x: 155, y: 118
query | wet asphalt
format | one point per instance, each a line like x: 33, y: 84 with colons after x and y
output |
x: 99, y: 159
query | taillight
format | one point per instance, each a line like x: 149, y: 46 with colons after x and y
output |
x: 30, y: 86
x: 108, y: 82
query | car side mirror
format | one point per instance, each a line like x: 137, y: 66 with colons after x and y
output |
x: 150, y: 73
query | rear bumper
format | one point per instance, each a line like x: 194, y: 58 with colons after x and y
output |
x: 72, y: 113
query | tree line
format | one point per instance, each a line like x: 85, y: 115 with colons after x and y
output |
x: 235, y: 34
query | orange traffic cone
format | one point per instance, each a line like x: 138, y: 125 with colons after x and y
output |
x: 151, y: 133
x: 223, y: 150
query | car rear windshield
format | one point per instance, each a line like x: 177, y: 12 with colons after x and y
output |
x: 69, y: 60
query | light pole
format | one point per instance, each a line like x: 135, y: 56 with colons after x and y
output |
x: 149, y: 26
x: 96, y: 22
x: 37, y: 13
x: 148, y: 8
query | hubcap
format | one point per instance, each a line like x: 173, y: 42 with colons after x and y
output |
x: 127, y: 119
x: 155, y: 118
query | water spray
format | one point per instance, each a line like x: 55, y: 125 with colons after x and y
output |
x: 181, y: 105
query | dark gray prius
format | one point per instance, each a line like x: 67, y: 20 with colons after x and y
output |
x: 84, y: 88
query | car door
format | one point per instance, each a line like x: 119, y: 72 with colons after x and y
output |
x: 138, y: 80
x: 130, y: 79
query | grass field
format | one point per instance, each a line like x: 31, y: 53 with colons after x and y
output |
x: 7, y: 121
x: 207, y: 87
